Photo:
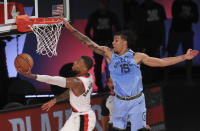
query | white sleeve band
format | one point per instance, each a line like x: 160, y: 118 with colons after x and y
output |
x: 54, y: 80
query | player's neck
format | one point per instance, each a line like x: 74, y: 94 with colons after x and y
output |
x: 123, y: 51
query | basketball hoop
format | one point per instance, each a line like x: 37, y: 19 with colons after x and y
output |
x: 47, y: 31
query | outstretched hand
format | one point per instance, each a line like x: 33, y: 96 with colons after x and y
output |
x: 190, y: 54
x: 48, y: 105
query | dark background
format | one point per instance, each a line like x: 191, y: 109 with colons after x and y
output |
x: 180, y: 98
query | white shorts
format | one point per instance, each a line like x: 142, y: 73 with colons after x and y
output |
x: 80, y: 122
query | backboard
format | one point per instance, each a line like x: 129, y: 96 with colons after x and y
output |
x: 9, y: 9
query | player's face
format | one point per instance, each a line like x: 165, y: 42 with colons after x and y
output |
x: 118, y: 43
x: 78, y: 65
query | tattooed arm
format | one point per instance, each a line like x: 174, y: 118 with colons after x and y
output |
x: 64, y: 96
x: 101, y: 50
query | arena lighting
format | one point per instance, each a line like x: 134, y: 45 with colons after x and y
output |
x: 48, y: 95
x: 37, y: 96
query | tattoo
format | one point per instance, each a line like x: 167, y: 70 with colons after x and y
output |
x: 88, y: 42
x: 84, y: 39
x: 63, y: 96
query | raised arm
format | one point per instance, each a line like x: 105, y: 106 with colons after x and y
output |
x: 101, y: 50
x: 157, y: 62
x: 72, y: 82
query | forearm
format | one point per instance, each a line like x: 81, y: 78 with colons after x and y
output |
x: 63, y: 96
x: 81, y: 37
x: 88, y: 42
x: 173, y: 60
x: 85, y: 40
x: 54, y: 80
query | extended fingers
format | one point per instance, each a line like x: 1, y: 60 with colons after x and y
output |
x: 45, y: 107
x: 195, y: 52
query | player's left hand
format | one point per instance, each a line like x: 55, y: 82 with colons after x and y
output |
x: 48, y: 105
x: 191, y: 54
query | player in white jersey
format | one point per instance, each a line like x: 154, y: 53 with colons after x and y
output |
x: 82, y: 118
x: 82, y: 112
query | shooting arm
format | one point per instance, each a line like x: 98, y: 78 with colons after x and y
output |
x: 72, y: 82
x: 54, y: 80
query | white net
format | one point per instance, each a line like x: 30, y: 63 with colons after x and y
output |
x: 47, y: 37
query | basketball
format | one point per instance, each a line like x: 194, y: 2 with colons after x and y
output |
x: 23, y: 62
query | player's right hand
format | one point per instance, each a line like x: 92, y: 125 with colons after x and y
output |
x: 190, y: 54
x: 48, y: 105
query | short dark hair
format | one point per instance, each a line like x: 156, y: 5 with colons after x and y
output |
x: 129, y: 36
x: 88, y: 61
